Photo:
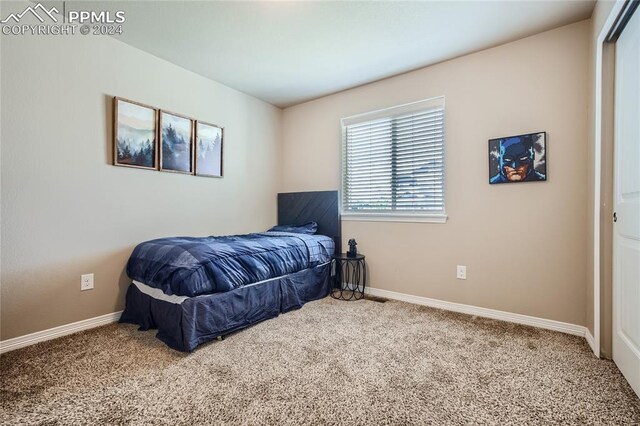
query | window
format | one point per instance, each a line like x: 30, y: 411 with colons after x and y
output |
x: 393, y: 164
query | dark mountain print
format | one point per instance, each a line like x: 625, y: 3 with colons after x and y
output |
x: 143, y: 156
x: 176, y: 152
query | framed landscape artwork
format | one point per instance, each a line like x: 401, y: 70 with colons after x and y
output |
x: 176, y: 143
x: 209, y: 141
x: 521, y: 158
x: 134, y: 134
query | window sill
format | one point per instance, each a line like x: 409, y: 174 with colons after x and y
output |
x: 381, y: 217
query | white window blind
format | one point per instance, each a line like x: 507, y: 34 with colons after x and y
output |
x: 393, y: 161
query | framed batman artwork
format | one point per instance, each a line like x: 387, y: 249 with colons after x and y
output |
x: 521, y: 158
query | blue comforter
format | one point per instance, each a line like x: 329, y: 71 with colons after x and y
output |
x: 191, y: 266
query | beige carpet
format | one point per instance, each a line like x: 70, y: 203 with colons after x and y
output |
x: 330, y: 363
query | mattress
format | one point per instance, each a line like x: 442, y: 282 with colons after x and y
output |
x: 158, y: 294
x: 193, y: 266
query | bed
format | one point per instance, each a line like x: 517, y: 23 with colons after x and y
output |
x: 194, y: 290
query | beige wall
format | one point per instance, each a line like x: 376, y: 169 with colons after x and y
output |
x: 600, y: 14
x: 66, y: 211
x: 524, y: 245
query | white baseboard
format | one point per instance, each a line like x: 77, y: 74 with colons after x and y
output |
x: 591, y: 341
x: 52, y: 333
x: 564, y: 327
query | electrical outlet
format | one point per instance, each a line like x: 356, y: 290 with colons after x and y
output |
x: 461, y: 272
x: 86, y: 282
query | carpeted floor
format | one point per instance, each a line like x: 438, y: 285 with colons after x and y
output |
x: 330, y: 363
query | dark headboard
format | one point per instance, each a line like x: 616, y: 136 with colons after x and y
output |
x: 322, y: 207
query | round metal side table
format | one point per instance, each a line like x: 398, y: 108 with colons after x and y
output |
x: 350, y: 276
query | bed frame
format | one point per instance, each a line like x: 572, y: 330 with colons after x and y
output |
x: 184, y: 323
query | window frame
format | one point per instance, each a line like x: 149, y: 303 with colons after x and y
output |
x: 397, y: 216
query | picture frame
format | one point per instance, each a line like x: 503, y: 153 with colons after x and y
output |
x: 519, y: 158
x: 176, y: 142
x: 209, y: 149
x: 135, y: 131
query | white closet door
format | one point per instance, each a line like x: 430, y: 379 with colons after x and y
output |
x: 626, y: 244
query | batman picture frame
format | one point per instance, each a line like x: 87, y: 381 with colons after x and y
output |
x: 517, y: 159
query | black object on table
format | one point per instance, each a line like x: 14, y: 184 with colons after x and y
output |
x: 349, y: 276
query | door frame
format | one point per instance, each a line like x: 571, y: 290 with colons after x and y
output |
x: 597, y: 171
